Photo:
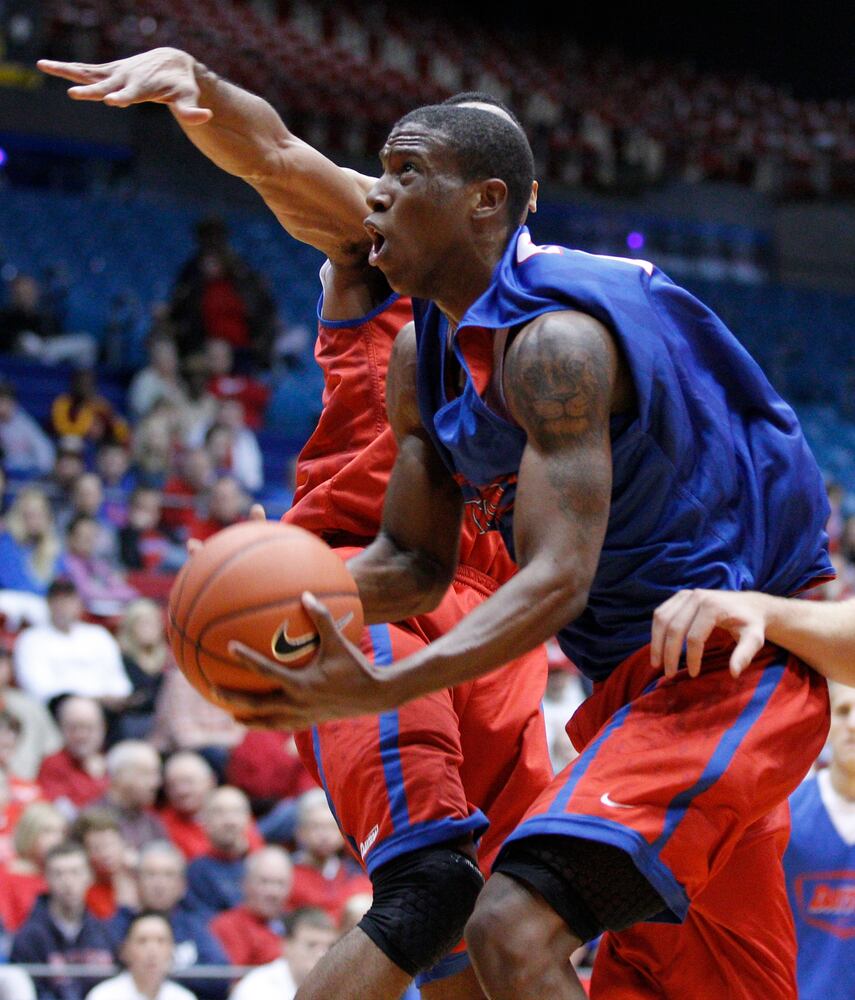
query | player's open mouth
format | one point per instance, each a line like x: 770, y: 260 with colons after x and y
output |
x: 378, y: 242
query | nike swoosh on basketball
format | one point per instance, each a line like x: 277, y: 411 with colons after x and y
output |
x: 607, y: 800
x: 288, y: 648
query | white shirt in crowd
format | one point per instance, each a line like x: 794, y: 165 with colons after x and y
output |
x: 268, y: 982
x: 86, y: 660
x: 122, y: 987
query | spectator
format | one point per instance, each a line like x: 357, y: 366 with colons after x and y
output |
x: 25, y: 446
x: 186, y: 492
x: 311, y: 934
x: 321, y: 876
x: 251, y: 932
x: 112, y: 463
x: 353, y: 911
x: 29, y: 547
x: 820, y: 862
x: 153, y: 449
x: 40, y: 828
x: 143, y: 545
x: 111, y: 860
x: 199, y: 409
x: 188, y: 780
x: 69, y: 656
x: 87, y: 497
x: 233, y: 446
x: 39, y: 735
x: 160, y: 379
x: 146, y: 953
x: 84, y: 413
x: 162, y: 886
x: 34, y: 330
x: 145, y: 655
x: 217, y: 295
x: 21, y: 791
x: 61, y: 930
x: 76, y: 775
x: 69, y: 466
x: 215, y: 879
x: 134, y: 773
x: 103, y: 589
x: 266, y: 766
x: 184, y: 720
x: 225, y: 384
x: 228, y: 505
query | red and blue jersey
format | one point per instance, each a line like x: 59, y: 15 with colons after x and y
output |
x: 714, y: 485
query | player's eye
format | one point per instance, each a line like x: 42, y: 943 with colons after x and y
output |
x: 408, y: 167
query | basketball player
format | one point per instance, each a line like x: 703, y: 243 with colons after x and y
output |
x: 626, y: 446
x: 413, y: 788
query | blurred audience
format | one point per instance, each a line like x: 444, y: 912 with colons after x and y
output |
x: 143, y: 544
x: 76, y: 775
x: 69, y: 656
x: 145, y: 655
x: 160, y: 379
x: 30, y: 547
x: 186, y: 491
x: 83, y: 413
x: 102, y: 588
x: 25, y: 447
x: 215, y: 879
x: 40, y: 828
x: 21, y: 791
x: 87, y: 498
x: 227, y: 505
x: 134, y: 779
x: 310, y: 935
x: 62, y: 930
x: 252, y: 931
x: 224, y: 383
x: 39, y: 735
x: 112, y: 861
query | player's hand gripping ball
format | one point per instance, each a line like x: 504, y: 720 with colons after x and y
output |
x: 245, y: 584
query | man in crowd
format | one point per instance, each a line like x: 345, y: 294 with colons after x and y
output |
x: 76, y: 775
x: 39, y: 735
x: 24, y: 445
x: 215, y: 879
x: 133, y: 770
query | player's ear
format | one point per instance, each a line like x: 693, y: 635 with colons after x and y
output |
x: 532, y: 201
x: 490, y: 198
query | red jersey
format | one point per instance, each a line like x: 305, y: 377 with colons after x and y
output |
x: 344, y: 468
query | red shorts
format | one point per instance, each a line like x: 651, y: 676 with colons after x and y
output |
x: 691, y: 777
x: 469, y: 760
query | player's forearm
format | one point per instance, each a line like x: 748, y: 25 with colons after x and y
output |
x: 523, y: 613
x: 822, y: 633
x: 395, y: 583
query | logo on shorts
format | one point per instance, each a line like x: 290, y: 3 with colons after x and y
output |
x: 827, y: 900
x: 365, y: 846
x: 287, y: 648
x: 607, y: 800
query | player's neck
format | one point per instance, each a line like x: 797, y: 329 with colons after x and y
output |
x: 842, y: 781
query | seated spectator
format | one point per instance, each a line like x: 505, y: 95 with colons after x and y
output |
x: 153, y: 449
x: 61, y: 930
x: 143, y: 544
x: 186, y: 492
x: 113, y: 463
x: 322, y: 877
x: 266, y: 766
x: 69, y: 466
x: 39, y: 735
x: 25, y: 447
x: 10, y: 813
x: 228, y: 504
x: 353, y: 911
x: 87, y: 498
x: 215, y: 879
x: 162, y: 886
x: 134, y: 773
x: 40, y: 828
x: 145, y: 654
x: 103, y: 589
x: 21, y: 790
x: 188, y: 780
x: 235, y: 450
x: 146, y: 953
x: 69, y: 656
x: 160, y: 379
x: 29, y: 547
x: 112, y: 862
x: 184, y: 720
x: 224, y: 383
x: 251, y: 932
x: 76, y: 775
x: 84, y: 413
x: 199, y: 409
x: 311, y: 934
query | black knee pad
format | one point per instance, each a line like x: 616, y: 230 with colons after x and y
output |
x: 593, y: 886
x: 422, y: 901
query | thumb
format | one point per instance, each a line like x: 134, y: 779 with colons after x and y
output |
x: 189, y: 114
x: 749, y: 645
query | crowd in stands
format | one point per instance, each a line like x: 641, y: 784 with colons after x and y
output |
x: 597, y: 118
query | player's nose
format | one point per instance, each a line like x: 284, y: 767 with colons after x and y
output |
x: 378, y: 198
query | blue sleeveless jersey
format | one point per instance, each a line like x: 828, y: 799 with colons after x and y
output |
x: 820, y: 870
x: 713, y: 483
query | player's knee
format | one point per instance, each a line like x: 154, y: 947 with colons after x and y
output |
x: 422, y: 901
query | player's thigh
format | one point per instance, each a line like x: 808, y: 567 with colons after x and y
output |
x: 393, y: 780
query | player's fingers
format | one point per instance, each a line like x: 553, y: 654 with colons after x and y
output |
x: 193, y: 546
x: 77, y: 72
x: 101, y: 90
x: 696, y: 639
x: 749, y: 645
x: 661, y: 619
x: 257, y: 513
x: 321, y: 616
x: 254, y: 660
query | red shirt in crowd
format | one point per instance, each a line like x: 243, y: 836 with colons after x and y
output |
x: 248, y: 938
x: 189, y: 835
x: 61, y: 776
x: 329, y: 892
x: 18, y: 895
x: 266, y: 766
x: 249, y: 391
x: 224, y: 313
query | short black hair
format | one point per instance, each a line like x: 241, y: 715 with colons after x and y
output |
x: 485, y: 145
x: 146, y: 915
x: 481, y: 97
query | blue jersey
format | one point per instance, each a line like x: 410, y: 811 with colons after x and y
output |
x: 820, y: 870
x: 713, y: 486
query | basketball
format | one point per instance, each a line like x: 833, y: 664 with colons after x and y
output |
x: 245, y: 584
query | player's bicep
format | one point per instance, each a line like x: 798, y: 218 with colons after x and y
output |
x: 559, y: 382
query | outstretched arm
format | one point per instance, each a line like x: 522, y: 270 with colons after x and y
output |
x: 822, y: 633
x: 316, y: 201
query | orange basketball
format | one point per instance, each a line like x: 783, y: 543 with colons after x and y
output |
x: 245, y: 584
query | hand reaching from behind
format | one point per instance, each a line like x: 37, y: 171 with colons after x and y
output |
x: 164, y: 76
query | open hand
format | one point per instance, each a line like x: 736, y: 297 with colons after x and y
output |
x: 164, y: 75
